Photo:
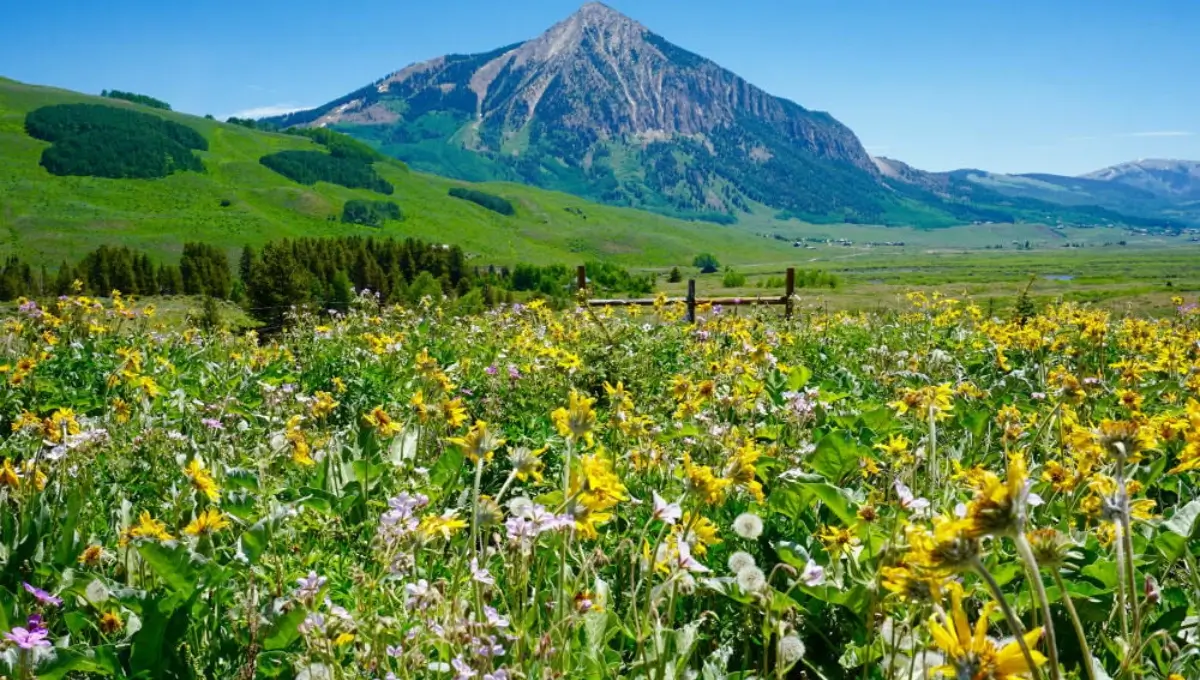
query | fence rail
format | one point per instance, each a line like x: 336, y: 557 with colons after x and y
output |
x: 691, y: 300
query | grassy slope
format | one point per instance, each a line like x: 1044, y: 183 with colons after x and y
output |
x: 46, y: 218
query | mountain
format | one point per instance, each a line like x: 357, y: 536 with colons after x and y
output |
x: 235, y: 200
x: 1171, y: 179
x: 601, y: 106
x: 1141, y: 193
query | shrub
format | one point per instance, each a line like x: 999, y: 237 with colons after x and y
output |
x: 493, y: 203
x: 706, y: 263
x: 310, y: 167
x: 675, y: 276
x: 733, y: 279
x: 370, y: 213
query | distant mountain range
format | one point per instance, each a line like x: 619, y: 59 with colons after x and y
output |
x: 602, y: 107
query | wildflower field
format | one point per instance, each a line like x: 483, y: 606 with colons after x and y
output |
x: 527, y: 493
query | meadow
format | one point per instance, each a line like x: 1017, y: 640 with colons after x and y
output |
x: 237, y: 201
x: 923, y: 491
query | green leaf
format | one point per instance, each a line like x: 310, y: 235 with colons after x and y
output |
x: 1171, y: 545
x: 798, y: 377
x: 835, y: 499
x: 447, y: 468
x: 975, y: 422
x: 835, y: 456
x: 239, y: 478
x: 67, y: 549
x: 878, y: 420
x: 1184, y: 522
x: 284, y: 631
x: 101, y: 661
x: 1104, y: 571
x: 174, y: 566
x: 316, y: 499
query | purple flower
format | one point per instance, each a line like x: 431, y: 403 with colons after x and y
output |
x: 491, y: 370
x: 309, y: 586
x: 462, y: 671
x: 513, y: 373
x: 213, y: 423
x: 43, y: 596
x: 28, y: 639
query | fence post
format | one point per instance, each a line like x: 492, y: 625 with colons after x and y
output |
x: 580, y: 278
x: 789, y: 290
x: 691, y: 301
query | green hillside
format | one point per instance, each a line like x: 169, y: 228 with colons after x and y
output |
x: 237, y: 200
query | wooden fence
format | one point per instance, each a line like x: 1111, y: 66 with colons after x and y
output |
x: 692, y: 301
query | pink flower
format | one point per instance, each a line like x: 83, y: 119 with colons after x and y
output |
x: 28, y: 639
x: 43, y: 596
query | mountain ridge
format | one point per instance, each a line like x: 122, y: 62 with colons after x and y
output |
x: 601, y: 106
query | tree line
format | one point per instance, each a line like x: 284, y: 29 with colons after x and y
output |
x: 202, y: 270
x: 315, y: 273
x: 144, y: 100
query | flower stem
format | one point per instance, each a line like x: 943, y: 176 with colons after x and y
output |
x: 1089, y: 664
x: 1035, y: 578
x: 1014, y: 623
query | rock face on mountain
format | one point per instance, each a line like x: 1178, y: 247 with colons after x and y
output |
x: 1171, y: 179
x: 602, y: 106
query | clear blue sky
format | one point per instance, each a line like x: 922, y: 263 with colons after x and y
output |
x: 1064, y: 86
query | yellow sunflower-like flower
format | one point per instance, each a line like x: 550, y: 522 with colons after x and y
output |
x: 202, y: 480
x: 577, y: 420
x: 206, y: 523
x: 972, y: 655
x: 382, y: 422
x: 146, y: 527
x: 479, y: 442
x: 997, y: 508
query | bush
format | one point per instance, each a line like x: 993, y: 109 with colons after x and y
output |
x: 107, y: 141
x: 675, y: 276
x: 493, y: 203
x: 733, y: 279
x: 370, y: 213
x: 706, y: 263
x: 142, y: 99
x: 310, y: 167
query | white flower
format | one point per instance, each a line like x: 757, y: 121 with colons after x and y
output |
x: 908, y: 501
x: 667, y: 512
x: 316, y: 671
x: 813, y: 574
x: 751, y: 579
x: 739, y: 561
x: 686, y: 562
x: 791, y: 649
x: 748, y: 525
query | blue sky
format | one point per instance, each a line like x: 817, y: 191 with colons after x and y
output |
x: 1063, y: 86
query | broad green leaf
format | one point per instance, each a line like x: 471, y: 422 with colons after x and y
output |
x: 1185, y: 520
x: 835, y: 456
x: 1104, y: 571
x: 447, y: 468
x: 1171, y: 545
x: 798, y: 377
x: 284, y: 631
x: 174, y: 566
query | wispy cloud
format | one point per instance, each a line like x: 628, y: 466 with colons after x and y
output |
x: 1129, y: 135
x: 269, y: 110
x: 1162, y: 133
